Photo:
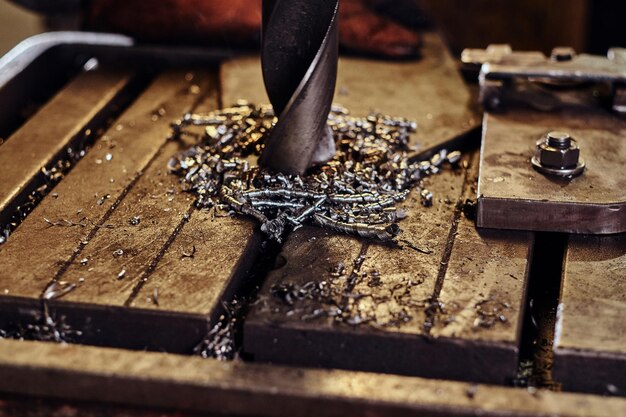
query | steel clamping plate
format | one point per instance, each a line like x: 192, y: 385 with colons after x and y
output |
x: 512, y: 195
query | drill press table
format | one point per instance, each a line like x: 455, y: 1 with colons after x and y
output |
x: 118, y: 257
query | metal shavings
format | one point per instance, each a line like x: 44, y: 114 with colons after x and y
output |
x: 382, y: 233
x: 357, y: 192
x: 415, y: 248
x: 42, y: 327
x: 65, y: 222
x: 289, y: 293
x: 58, y: 289
x: 134, y: 221
x: 84, y: 261
x: 52, y: 174
x: 4, y: 235
x: 353, y: 298
x: 122, y: 274
x: 102, y: 199
x: 219, y: 343
x: 454, y: 157
x: 470, y: 392
x: 525, y: 376
x: 118, y: 252
x: 489, y: 313
x: 374, y: 282
x: 189, y: 253
x: 426, y: 197
x: 338, y: 270
x: 468, y: 208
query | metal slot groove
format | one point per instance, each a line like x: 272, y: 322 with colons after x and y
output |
x: 40, y: 185
x: 542, y: 298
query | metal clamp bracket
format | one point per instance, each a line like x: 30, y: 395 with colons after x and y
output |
x: 531, y: 173
x: 501, y: 67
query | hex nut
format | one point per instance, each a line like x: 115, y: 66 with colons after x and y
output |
x: 557, y: 153
x: 557, y: 158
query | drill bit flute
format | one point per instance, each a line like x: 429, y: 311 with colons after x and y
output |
x: 362, y: 169
x: 299, y: 58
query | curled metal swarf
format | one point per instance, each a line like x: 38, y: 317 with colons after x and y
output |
x: 299, y: 56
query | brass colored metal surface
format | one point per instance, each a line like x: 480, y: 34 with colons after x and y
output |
x: 130, y: 252
x: 209, y: 257
x: 127, y: 247
x: 512, y: 195
x: 451, y: 311
x: 184, y: 383
x: 89, y: 240
x: 223, y: 252
x: 50, y: 131
x: 590, y: 340
x: 159, y: 208
x: 39, y: 252
x: 485, y: 276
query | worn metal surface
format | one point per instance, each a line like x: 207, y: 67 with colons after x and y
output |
x: 207, y: 258
x: 184, y: 383
x: 83, y: 104
x: 483, y: 290
x: 147, y: 218
x: 122, y: 177
x: 512, y: 195
x: 277, y: 332
x: 446, y: 305
x: 590, y: 340
x: 299, y: 53
x: 130, y: 251
x: 459, y: 281
x: 37, y: 250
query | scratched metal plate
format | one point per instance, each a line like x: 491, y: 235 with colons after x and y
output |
x: 590, y: 340
x: 81, y: 236
x: 512, y: 195
x: 450, y: 310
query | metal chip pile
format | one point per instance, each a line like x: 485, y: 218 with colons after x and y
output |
x: 43, y: 328
x: 357, y: 192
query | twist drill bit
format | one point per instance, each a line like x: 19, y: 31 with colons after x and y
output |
x: 299, y: 58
